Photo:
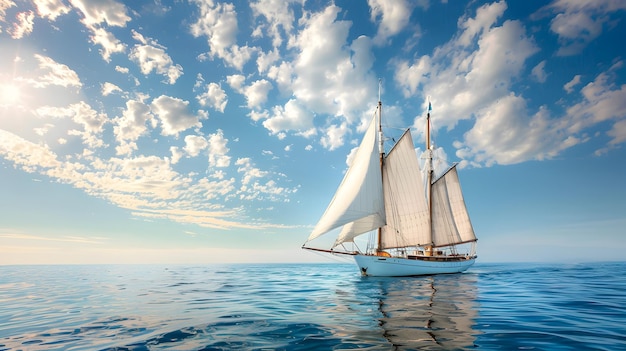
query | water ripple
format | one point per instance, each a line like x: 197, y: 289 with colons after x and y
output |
x: 311, y: 307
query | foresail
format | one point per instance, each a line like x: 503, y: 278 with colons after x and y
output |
x: 405, y: 199
x: 451, y: 223
x: 360, y: 194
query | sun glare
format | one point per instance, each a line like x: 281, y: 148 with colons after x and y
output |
x: 9, y: 94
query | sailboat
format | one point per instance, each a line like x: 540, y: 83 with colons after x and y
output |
x: 419, y: 227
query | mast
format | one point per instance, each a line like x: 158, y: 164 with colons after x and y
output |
x: 381, y: 151
x: 429, y: 178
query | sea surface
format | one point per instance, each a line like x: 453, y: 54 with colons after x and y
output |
x: 311, y: 307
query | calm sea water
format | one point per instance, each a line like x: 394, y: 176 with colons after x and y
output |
x: 311, y: 307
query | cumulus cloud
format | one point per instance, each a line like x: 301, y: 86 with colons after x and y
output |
x: 194, y: 144
x: 152, y: 57
x: 51, y: 9
x: 291, y: 117
x: 218, y: 151
x: 392, y: 16
x: 278, y: 15
x: 468, y: 80
x: 109, y: 43
x: 96, y: 12
x: 505, y: 132
x: 218, y: 22
x: 100, y: 13
x: 214, y: 97
x: 131, y: 125
x: 174, y: 115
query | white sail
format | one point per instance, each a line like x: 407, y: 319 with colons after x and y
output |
x: 450, y: 220
x: 359, y: 197
x: 405, y: 199
x: 457, y: 204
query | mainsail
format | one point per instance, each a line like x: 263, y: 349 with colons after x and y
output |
x: 405, y: 199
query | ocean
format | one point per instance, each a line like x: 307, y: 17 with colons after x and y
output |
x: 311, y: 307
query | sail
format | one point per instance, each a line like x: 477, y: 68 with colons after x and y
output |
x: 359, y: 197
x: 450, y: 220
x: 405, y: 199
x: 457, y: 204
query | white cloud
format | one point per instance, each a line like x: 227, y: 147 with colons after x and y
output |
x: 174, y: 115
x: 81, y: 113
x: 194, y: 144
x: 109, y: 13
x: 256, y: 93
x: 486, y: 16
x: 97, y: 12
x: 618, y: 133
x: 214, y: 97
x: 577, y: 23
x: 91, y: 121
x: 217, y: 150
x: 131, y: 125
x: 110, y: 44
x: 109, y: 88
x: 253, y: 188
x: 278, y: 15
x: 292, y: 116
x: 249, y: 170
x: 265, y: 60
x: 4, y: 5
x: 218, y: 22
x: 26, y: 155
x: 601, y: 101
x: 51, y: 9
x: 334, y: 136
x: 331, y: 76
x: 152, y: 57
x: 24, y: 25
x: 394, y: 16
x: 56, y: 74
x: 569, y: 86
x: 469, y: 80
x: 506, y: 133
x: 236, y: 82
x: 539, y: 72
x: 176, y: 154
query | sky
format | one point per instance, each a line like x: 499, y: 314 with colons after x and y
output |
x: 204, y: 131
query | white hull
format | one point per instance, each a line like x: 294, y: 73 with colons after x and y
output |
x: 396, y: 267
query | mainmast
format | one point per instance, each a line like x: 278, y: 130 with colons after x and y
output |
x: 429, y: 178
x: 381, y: 151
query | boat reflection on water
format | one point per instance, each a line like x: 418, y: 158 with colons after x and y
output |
x: 428, y: 313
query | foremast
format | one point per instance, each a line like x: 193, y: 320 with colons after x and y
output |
x: 429, y: 178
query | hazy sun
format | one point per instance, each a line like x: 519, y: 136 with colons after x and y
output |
x: 9, y: 94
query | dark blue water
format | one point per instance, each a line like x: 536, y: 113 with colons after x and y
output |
x: 311, y: 307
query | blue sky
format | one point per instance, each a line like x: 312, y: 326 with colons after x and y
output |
x: 207, y: 131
